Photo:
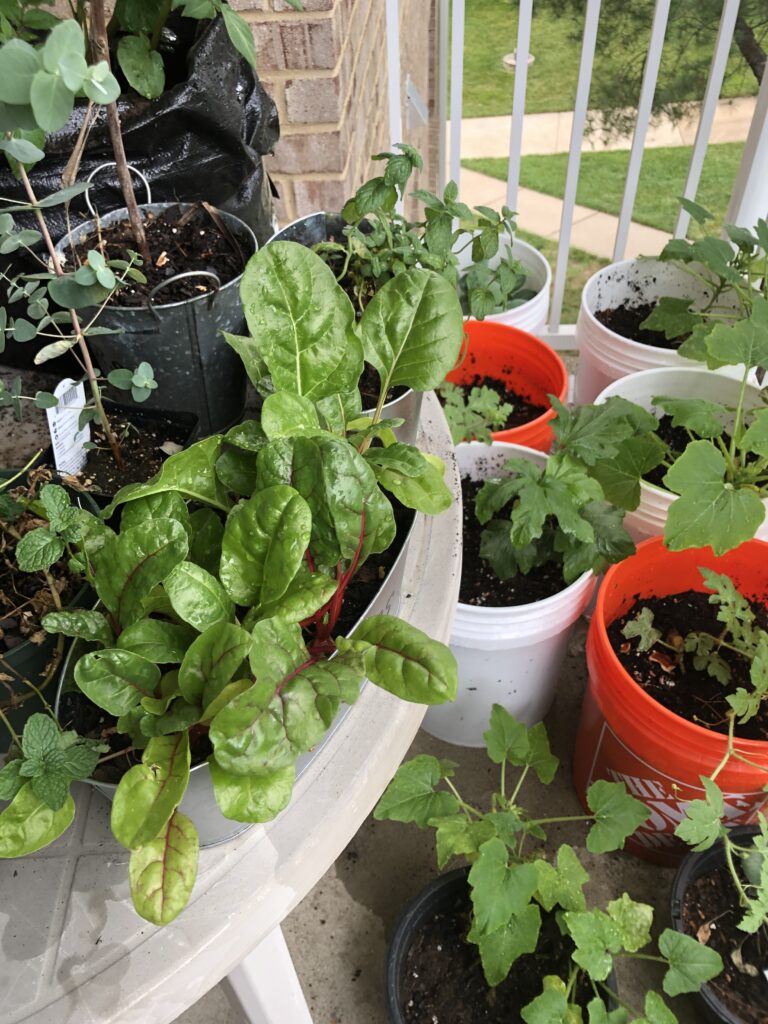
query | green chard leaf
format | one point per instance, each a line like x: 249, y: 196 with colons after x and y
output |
x: 162, y: 872
x: 150, y: 792
x: 252, y: 798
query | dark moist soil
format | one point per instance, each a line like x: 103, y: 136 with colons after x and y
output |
x: 626, y: 319
x: 443, y: 981
x: 710, y: 911
x: 369, y: 386
x: 479, y: 584
x: 25, y: 597
x: 142, y: 444
x: 693, y: 694
x: 179, y: 241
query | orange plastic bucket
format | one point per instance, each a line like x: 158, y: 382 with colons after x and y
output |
x: 527, y: 365
x: 625, y: 735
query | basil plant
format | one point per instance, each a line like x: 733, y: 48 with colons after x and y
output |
x: 222, y: 591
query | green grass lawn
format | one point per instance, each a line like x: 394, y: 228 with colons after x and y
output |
x: 491, y: 31
x: 602, y: 176
x: 581, y: 266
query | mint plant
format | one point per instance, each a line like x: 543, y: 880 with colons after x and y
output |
x: 473, y: 413
x: 512, y: 884
x: 380, y: 242
x: 222, y: 592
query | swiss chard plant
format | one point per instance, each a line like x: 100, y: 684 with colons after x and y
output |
x: 221, y: 594
x: 514, y: 884
x: 380, y: 242
x: 474, y: 413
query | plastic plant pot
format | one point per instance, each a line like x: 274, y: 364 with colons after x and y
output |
x: 625, y: 735
x: 650, y: 516
x: 605, y: 356
x: 524, y: 364
x: 509, y: 656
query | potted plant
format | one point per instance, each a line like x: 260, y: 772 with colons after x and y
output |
x: 523, y: 371
x: 642, y: 314
x: 675, y: 644
x: 513, y: 937
x: 217, y: 646
x: 536, y: 529
x: 39, y: 525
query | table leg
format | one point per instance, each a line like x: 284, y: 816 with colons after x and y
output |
x: 266, y: 987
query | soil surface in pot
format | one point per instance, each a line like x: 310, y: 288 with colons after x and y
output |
x: 443, y: 981
x: 480, y: 586
x: 145, y: 445
x: 691, y: 693
x: 25, y: 597
x: 523, y: 409
x: 369, y: 386
x: 710, y: 912
x: 626, y: 319
x: 179, y: 240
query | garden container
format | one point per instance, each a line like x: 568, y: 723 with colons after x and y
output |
x: 441, y: 895
x: 525, y: 364
x: 625, y: 735
x: 509, y: 656
x: 28, y: 659
x: 196, y: 370
x: 693, y: 866
x: 532, y: 314
x: 650, y: 516
x: 605, y: 356
x: 199, y: 801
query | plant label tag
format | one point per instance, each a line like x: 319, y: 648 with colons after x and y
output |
x: 66, y: 437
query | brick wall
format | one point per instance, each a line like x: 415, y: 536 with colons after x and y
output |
x: 326, y: 68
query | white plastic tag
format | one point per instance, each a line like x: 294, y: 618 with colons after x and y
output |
x: 68, y: 452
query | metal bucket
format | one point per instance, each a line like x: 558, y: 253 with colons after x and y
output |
x: 199, y: 801
x: 195, y: 369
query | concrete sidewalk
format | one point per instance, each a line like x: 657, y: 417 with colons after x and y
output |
x: 551, y: 133
x: 594, y: 232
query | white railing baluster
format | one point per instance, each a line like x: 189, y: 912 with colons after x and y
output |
x: 749, y: 199
x: 644, y: 107
x: 574, y: 158
x: 522, y: 50
x: 394, y: 77
x: 708, y: 108
x: 457, y: 85
x: 443, y: 21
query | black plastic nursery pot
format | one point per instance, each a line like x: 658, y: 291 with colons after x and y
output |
x: 441, y: 895
x: 695, y: 865
x: 31, y: 661
x: 195, y: 369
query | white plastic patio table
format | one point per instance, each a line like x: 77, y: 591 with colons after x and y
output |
x: 73, y: 951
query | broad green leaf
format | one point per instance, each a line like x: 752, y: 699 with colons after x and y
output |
x: 192, y: 472
x: 264, y: 544
x: 163, y: 643
x: 411, y: 795
x: 620, y: 475
x: 401, y: 659
x: 142, y: 66
x: 301, y: 320
x: 69, y: 294
x: 500, y: 949
x: 116, y: 680
x: 755, y: 437
x: 656, y: 1011
x: 672, y: 316
x: 597, y: 938
x: 425, y: 491
x: 306, y: 594
x: 197, y: 597
x: 223, y: 698
x: 252, y: 798
x: 617, y: 815
x: 286, y: 415
x: 205, y: 543
x: 163, y: 505
x: 253, y: 361
x: 27, y: 824
x: 130, y: 564
x: 563, y: 885
x: 499, y: 892
x: 702, y: 824
x: 237, y: 471
x: 52, y: 102
x: 551, y: 1007
x: 697, y: 414
x: 634, y: 921
x: 506, y: 738
x: 212, y: 661
x: 162, y: 873
x: 412, y: 330
x: 88, y: 625
x: 38, y: 549
x: 181, y: 715
x: 150, y: 792
x: 745, y: 341
x: 240, y: 33
x: 594, y: 432
x: 691, y: 963
x: 66, y: 37
x: 248, y: 735
x: 455, y: 835
x: 19, y: 63
x: 11, y: 779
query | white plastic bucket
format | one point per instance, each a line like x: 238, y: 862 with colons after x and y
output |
x: 650, y: 517
x: 508, y: 656
x: 532, y: 315
x: 606, y: 356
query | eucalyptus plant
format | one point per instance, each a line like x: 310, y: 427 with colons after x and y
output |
x: 513, y: 885
x: 222, y: 591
